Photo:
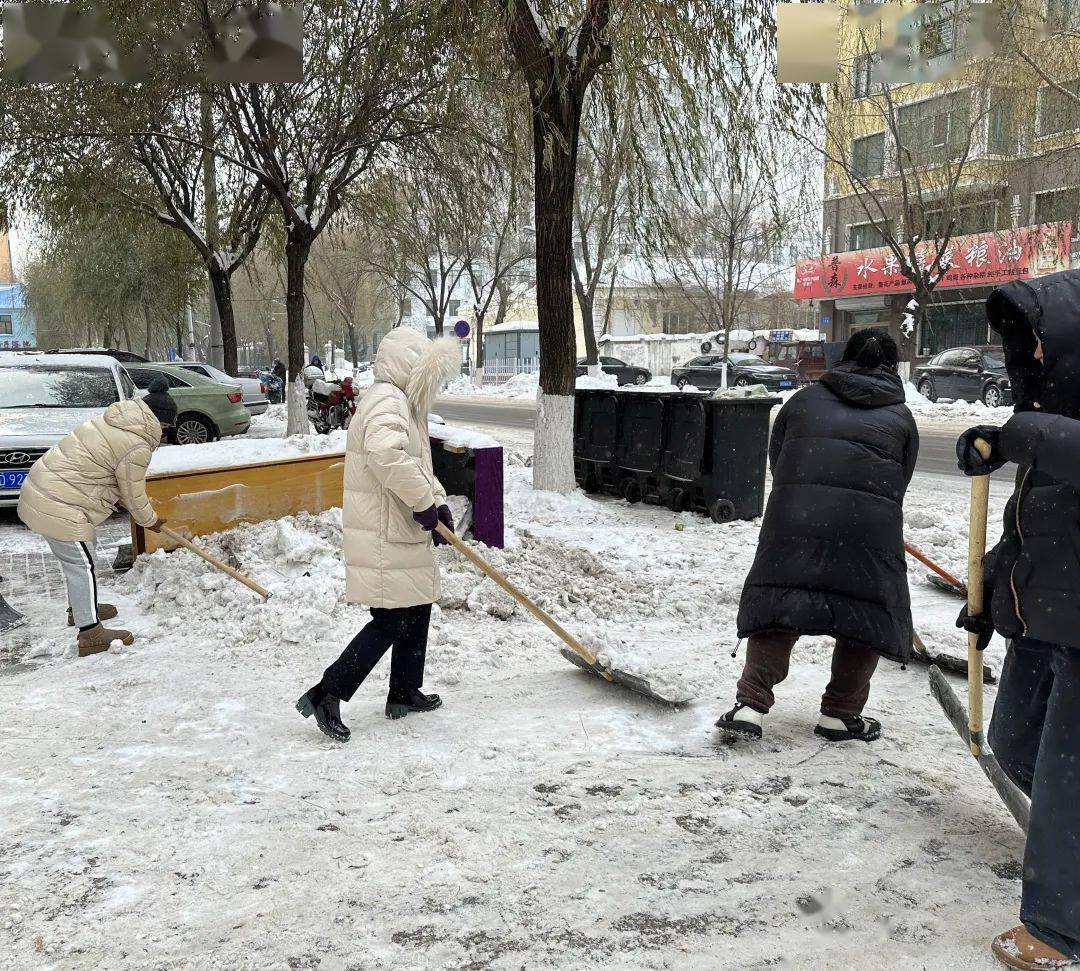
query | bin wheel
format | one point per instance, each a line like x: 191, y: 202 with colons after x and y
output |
x: 681, y: 383
x: 722, y: 511
x: 631, y: 491
x: 591, y: 483
x: 677, y: 500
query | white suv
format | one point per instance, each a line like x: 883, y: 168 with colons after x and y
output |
x: 43, y: 397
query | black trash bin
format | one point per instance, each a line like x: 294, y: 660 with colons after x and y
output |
x: 686, y: 450
x: 596, y: 424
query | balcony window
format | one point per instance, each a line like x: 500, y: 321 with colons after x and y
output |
x: 865, y: 236
x: 1059, y: 206
x: 5, y: 325
x: 1001, y: 127
x: 868, y: 156
x: 1058, y: 111
x: 862, y: 70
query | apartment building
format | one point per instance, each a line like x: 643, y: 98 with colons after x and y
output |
x: 989, y: 156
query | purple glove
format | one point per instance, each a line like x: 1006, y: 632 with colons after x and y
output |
x: 447, y: 519
x: 428, y: 519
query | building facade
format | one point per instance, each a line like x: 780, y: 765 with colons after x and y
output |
x: 17, y: 330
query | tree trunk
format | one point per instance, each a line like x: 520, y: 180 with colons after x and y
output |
x: 554, y: 180
x: 149, y: 329
x: 179, y: 337
x: 222, y: 290
x: 268, y: 336
x: 353, y: 346
x: 297, y: 250
x: 126, y: 330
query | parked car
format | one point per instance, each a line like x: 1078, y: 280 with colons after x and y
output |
x: 273, y: 385
x: 806, y: 357
x: 43, y: 397
x: 706, y: 372
x: 124, y: 357
x: 625, y: 373
x: 206, y: 409
x: 967, y: 374
x: 253, y: 390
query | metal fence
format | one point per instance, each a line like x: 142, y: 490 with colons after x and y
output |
x: 502, y: 370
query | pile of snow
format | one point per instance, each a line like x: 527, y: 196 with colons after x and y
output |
x: 243, y: 451
x: 948, y: 411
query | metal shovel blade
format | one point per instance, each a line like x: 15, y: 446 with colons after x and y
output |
x: 632, y: 681
x: 10, y: 618
x: 1015, y: 801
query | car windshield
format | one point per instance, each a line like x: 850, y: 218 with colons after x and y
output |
x: 747, y: 360
x: 57, y: 386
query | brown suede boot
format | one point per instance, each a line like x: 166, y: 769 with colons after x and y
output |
x: 104, y: 612
x: 97, y: 639
x: 1018, y: 948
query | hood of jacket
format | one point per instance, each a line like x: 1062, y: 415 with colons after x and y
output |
x: 416, y: 365
x: 135, y: 417
x: 865, y: 387
x: 1049, y: 306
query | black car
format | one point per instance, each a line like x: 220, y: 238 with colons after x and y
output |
x: 124, y: 357
x: 626, y: 373
x: 707, y: 372
x: 965, y: 374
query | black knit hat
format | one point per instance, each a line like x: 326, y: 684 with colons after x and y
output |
x: 160, y: 402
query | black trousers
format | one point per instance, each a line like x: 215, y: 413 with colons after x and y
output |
x: 404, y: 628
x: 1034, y: 736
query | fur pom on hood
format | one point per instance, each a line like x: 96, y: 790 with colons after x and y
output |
x: 416, y: 365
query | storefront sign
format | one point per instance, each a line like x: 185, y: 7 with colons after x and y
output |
x: 970, y: 261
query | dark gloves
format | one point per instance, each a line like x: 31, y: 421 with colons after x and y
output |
x: 428, y: 519
x: 981, y: 625
x: 447, y: 519
x: 968, y: 457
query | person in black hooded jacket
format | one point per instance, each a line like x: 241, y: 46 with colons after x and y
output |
x: 1033, y: 589
x: 830, y: 559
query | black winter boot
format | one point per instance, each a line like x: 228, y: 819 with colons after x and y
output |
x: 327, y: 711
x: 400, y: 702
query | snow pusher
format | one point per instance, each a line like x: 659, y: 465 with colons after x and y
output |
x: 574, y: 650
x: 969, y: 725
x: 215, y: 562
x: 947, y: 662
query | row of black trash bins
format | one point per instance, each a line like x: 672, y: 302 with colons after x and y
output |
x: 682, y: 449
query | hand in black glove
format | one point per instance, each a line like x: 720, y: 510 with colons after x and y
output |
x: 968, y: 457
x: 981, y: 625
x: 446, y: 517
x: 427, y: 519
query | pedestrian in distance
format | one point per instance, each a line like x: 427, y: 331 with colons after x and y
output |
x: 313, y: 372
x: 77, y: 485
x: 1032, y: 593
x: 393, y: 502
x: 830, y: 560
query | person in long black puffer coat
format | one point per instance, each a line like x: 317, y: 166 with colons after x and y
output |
x: 830, y: 560
x: 1033, y: 597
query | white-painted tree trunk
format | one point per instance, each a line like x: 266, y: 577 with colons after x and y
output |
x: 297, y: 423
x: 478, y: 377
x: 553, y: 444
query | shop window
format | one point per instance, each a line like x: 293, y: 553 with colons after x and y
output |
x: 868, y: 156
x: 6, y: 326
x: 1058, y: 111
x: 976, y: 218
x: 865, y: 236
x: 956, y: 324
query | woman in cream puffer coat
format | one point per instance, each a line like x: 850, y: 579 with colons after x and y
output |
x: 392, y: 504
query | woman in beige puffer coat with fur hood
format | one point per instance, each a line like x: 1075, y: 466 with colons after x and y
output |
x: 393, y: 503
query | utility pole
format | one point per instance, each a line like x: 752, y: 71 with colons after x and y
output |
x: 217, y: 347
x: 190, y: 356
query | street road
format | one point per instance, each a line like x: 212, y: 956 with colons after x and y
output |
x: 937, y: 454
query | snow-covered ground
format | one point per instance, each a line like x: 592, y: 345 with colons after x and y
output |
x: 163, y: 805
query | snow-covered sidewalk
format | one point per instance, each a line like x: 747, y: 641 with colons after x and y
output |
x: 164, y: 805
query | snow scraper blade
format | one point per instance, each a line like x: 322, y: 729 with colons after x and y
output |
x: 10, y: 618
x: 574, y: 650
x: 634, y: 682
x: 1015, y: 801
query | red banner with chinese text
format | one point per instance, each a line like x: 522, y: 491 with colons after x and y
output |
x: 973, y: 261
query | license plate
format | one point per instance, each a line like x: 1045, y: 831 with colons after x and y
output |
x: 787, y: 384
x: 13, y: 480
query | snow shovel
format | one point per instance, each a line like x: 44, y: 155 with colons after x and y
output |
x: 574, y: 651
x: 215, y: 562
x: 10, y: 618
x: 972, y: 732
x: 943, y: 578
x: 947, y: 662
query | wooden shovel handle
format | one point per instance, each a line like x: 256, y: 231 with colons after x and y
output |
x: 546, y: 619
x: 214, y: 561
x: 927, y: 562
x: 980, y: 501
